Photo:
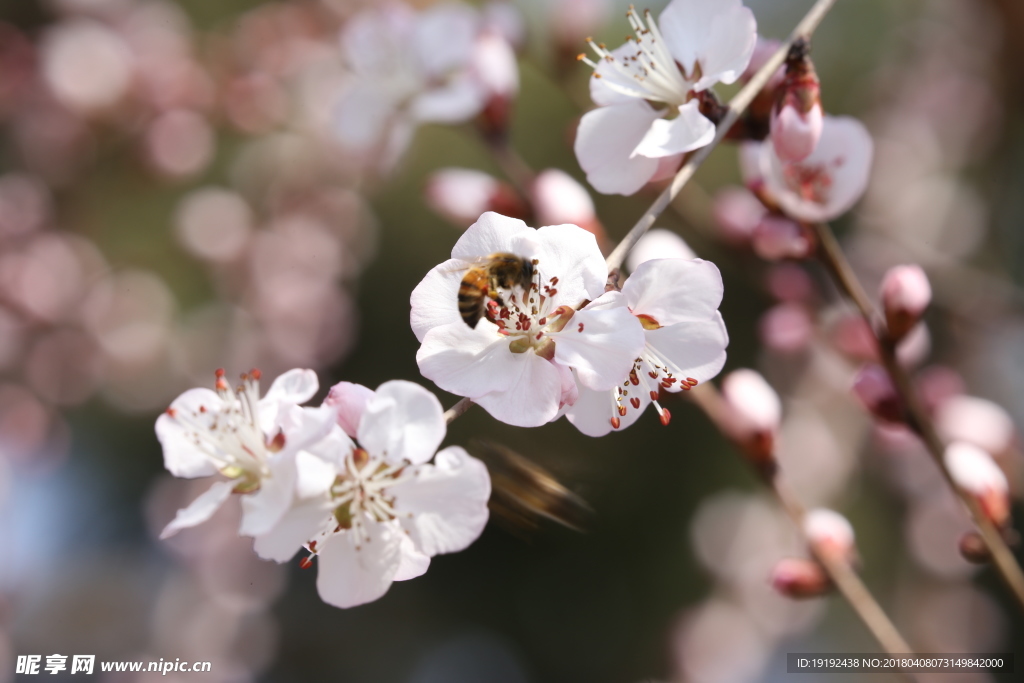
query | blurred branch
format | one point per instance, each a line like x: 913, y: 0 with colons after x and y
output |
x: 918, y: 419
x: 456, y: 410
x: 736, y: 106
x: 853, y: 590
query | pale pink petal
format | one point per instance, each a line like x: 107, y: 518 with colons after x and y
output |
x: 697, y: 347
x: 827, y: 183
x: 200, y: 509
x: 493, y: 65
x: 295, y: 386
x: 600, y: 345
x: 468, y: 362
x: 264, y: 508
x: 675, y: 290
x: 688, y: 131
x: 658, y: 243
x: 448, y: 502
x: 608, y: 85
x: 795, y: 135
x: 443, y: 36
x: 349, y: 400
x: 182, y: 457
x: 370, y: 39
x: 413, y: 563
x: 604, y: 145
x: 435, y: 301
x: 558, y: 198
x: 532, y: 400
x: 356, y: 571
x: 721, y: 35
x: 362, y: 115
x: 491, y: 233
x: 570, y: 390
x: 403, y: 421
x: 333, y: 448
x: 296, y: 528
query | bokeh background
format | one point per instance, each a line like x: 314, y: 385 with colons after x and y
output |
x: 173, y: 199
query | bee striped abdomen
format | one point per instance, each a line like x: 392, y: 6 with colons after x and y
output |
x: 472, y: 294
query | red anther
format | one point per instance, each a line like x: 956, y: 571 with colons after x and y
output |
x: 312, y: 545
x: 692, y: 382
x: 580, y: 328
x: 635, y: 402
x: 622, y: 411
x: 653, y: 374
x: 554, y: 280
x: 685, y: 387
x: 553, y: 292
x: 539, y: 335
x: 360, y: 458
x: 306, y: 562
x: 222, y: 384
x: 670, y: 380
x: 665, y: 417
x: 654, y: 395
x: 276, y: 444
x: 172, y: 412
x: 219, y: 372
x: 256, y: 374
x: 616, y: 422
x: 633, y: 379
x: 542, y: 321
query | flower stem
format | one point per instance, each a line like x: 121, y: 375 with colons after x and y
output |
x: 736, y: 107
x: 710, y: 401
x: 917, y: 417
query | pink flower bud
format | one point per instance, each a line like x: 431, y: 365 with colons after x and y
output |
x: 830, y: 533
x: 797, y: 120
x: 755, y: 414
x: 853, y: 338
x: 795, y: 134
x: 461, y: 195
x: 905, y: 295
x: 558, y: 199
x: 786, y: 328
x: 799, y: 578
x: 777, y: 237
x: 976, y: 421
x: 790, y: 282
x: 976, y: 473
x: 349, y: 400
x: 493, y: 65
x: 738, y: 213
x: 876, y: 392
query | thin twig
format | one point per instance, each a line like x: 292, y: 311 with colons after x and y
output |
x: 736, y: 107
x: 917, y: 417
x: 458, y: 409
x: 710, y: 401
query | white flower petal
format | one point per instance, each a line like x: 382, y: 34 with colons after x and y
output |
x: 593, y: 412
x: 403, y: 421
x: 491, y: 233
x: 333, y: 448
x: 443, y: 37
x: 448, y: 502
x: 200, y: 509
x: 300, y: 524
x: 349, y: 402
x: 413, y: 563
x: 371, y: 40
x: 314, y: 475
x: 353, y: 572
x: 435, y: 301
x: 264, y: 508
x: 697, y: 348
x: 362, y: 114
x: 600, y: 345
x: 534, y: 396
x: 689, y: 131
x: 302, y: 426
x: 570, y: 253
x: 295, y: 386
x: 182, y: 457
x: 605, y: 141
x: 675, y: 290
x: 458, y: 100
x: 721, y: 35
x: 468, y: 362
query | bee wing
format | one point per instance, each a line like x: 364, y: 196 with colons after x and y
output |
x: 524, y: 492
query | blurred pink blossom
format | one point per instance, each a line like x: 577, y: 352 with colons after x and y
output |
x: 905, y: 294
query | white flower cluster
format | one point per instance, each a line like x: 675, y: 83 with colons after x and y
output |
x: 560, y: 344
x: 373, y: 510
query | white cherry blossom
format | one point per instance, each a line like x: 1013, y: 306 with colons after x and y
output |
x: 676, y: 301
x: 380, y: 510
x: 829, y: 181
x: 518, y: 362
x: 255, y: 445
x: 647, y: 90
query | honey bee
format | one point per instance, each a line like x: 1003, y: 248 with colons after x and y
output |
x: 523, y: 492
x: 493, y: 273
